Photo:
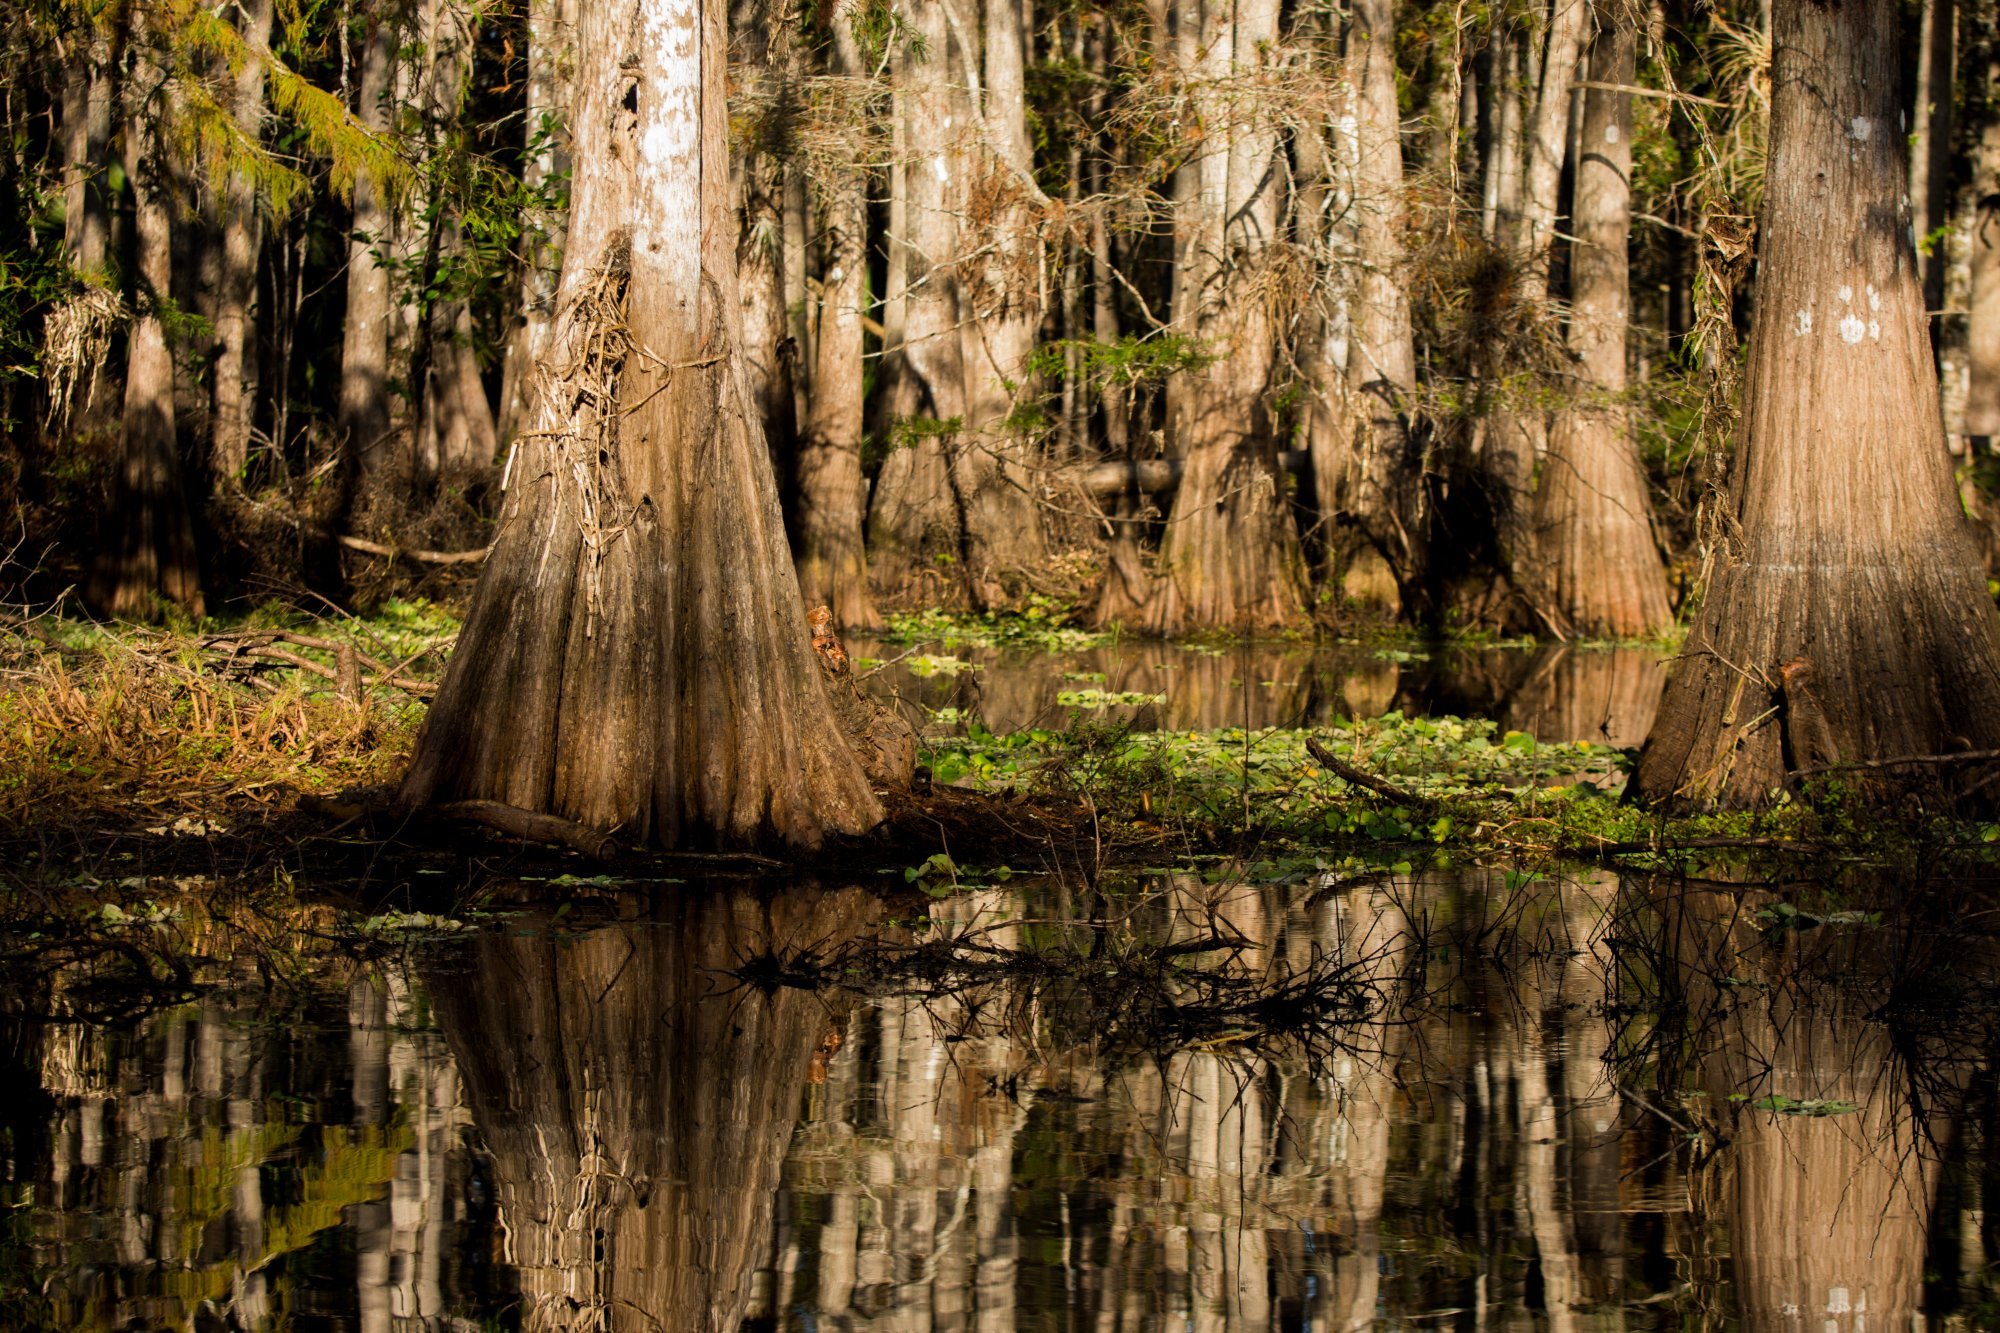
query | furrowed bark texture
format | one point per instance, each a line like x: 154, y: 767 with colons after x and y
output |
x: 637, y: 657
x: 764, y: 63
x: 832, y: 492
x: 1230, y: 558
x: 1602, y: 572
x: 149, y: 550
x: 550, y: 28
x: 915, y: 518
x: 1846, y: 545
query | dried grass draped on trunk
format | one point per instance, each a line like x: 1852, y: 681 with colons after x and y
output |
x: 637, y: 656
x: 1844, y: 545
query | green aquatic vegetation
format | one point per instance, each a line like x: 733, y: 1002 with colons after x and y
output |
x: 1101, y: 699
x: 1044, y: 624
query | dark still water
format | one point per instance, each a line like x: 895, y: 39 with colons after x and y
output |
x: 1184, y: 1103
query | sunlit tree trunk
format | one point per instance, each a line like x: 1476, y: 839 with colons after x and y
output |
x: 1847, y: 617
x: 832, y: 493
x: 1593, y: 515
x: 914, y: 523
x: 636, y: 656
x: 1930, y: 146
x: 1002, y: 310
x: 1230, y: 558
x: 1382, y: 471
x: 545, y: 160
x: 148, y: 554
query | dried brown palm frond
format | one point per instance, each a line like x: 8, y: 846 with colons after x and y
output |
x: 76, y: 339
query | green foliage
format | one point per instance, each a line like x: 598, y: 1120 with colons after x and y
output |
x: 1043, y: 623
x: 1128, y: 361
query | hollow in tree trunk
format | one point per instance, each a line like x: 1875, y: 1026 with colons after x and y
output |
x: 1601, y: 573
x: 1847, y: 617
x: 636, y: 656
x: 1230, y: 558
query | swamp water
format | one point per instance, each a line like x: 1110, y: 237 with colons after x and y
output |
x: 1183, y: 1100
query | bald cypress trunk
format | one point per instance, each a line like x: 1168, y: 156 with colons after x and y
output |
x: 833, y: 494
x: 364, y: 363
x: 1230, y: 558
x: 1381, y: 473
x: 636, y: 656
x: 914, y: 523
x: 1847, y: 618
x: 234, y: 373
x: 148, y: 554
x: 1593, y: 516
x: 1003, y: 309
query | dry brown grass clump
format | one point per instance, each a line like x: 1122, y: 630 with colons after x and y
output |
x: 141, y: 732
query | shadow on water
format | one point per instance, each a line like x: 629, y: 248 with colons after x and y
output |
x: 1182, y: 1100
x: 1555, y: 692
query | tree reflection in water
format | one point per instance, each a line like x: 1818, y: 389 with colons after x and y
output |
x: 636, y: 1098
x: 1180, y: 1101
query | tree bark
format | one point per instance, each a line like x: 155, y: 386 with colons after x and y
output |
x: 914, y: 525
x: 1593, y: 523
x: 1930, y: 152
x: 636, y: 657
x: 1982, y: 325
x: 1845, y: 554
x: 1381, y: 476
x: 545, y: 159
x: 832, y: 493
x: 235, y: 383
x: 1548, y: 144
x: 764, y: 63
x: 149, y: 551
x: 1230, y: 558
x: 1002, y: 310
x: 364, y: 362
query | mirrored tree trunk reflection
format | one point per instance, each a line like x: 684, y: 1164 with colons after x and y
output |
x: 1830, y: 1133
x: 636, y: 1089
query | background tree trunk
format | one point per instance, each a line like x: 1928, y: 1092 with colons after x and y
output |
x: 1845, y: 544
x: 551, y: 26
x: 235, y: 381
x: 1593, y: 526
x: 1230, y: 558
x: 1003, y: 311
x: 914, y: 525
x: 636, y: 657
x: 149, y: 550
x: 833, y: 494
x: 364, y: 363
x: 1382, y: 473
